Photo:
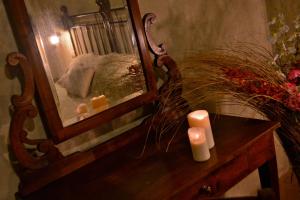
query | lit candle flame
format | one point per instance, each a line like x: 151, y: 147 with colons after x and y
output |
x: 54, y: 39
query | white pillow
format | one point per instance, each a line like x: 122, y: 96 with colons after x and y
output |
x: 77, y: 79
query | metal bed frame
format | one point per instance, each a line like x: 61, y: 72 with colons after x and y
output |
x: 105, y: 31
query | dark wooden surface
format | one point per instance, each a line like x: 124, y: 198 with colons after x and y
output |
x: 242, y: 145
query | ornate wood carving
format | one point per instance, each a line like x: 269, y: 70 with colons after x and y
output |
x: 23, y: 109
x: 171, y: 108
x: 157, y: 50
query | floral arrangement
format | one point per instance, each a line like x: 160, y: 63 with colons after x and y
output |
x: 255, y: 77
x: 286, y: 43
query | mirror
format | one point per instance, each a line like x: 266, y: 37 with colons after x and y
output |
x: 89, y: 58
x: 52, y: 45
x: 89, y: 53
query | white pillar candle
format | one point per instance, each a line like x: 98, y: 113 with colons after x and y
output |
x: 198, y: 143
x: 82, y: 108
x: 200, y: 118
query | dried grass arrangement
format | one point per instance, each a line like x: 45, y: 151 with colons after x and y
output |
x: 247, y: 73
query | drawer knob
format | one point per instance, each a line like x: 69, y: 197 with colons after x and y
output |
x: 205, y: 189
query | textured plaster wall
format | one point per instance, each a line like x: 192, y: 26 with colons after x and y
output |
x: 199, y: 24
x: 8, y: 180
x: 183, y: 25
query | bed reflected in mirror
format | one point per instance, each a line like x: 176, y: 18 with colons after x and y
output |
x: 89, y: 53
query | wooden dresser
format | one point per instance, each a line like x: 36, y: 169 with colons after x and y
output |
x: 242, y: 145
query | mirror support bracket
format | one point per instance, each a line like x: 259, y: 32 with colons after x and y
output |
x: 23, y: 109
x: 171, y: 106
x: 38, y: 160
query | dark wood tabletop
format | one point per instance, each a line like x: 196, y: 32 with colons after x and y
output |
x: 241, y: 146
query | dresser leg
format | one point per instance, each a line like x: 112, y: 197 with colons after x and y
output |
x: 268, y: 175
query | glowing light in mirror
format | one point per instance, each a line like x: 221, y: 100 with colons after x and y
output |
x: 54, y: 39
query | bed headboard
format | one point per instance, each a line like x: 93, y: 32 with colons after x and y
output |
x: 104, y: 31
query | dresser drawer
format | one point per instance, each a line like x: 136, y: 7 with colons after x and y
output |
x: 218, y: 181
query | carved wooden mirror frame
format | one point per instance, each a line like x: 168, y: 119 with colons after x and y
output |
x: 25, y: 38
x: 36, y: 171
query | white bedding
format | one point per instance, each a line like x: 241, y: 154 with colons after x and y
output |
x: 92, y: 75
x: 98, y: 74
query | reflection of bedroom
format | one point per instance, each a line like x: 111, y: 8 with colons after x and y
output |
x: 97, y: 64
